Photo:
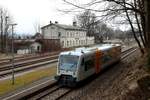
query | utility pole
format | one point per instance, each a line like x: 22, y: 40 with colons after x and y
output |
x: 1, y: 27
x: 6, y: 35
x: 12, y: 51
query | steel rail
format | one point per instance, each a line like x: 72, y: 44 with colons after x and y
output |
x: 7, y: 60
x: 26, y: 68
x: 27, y: 62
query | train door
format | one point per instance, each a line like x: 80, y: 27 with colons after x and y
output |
x: 81, y: 69
x: 87, y: 66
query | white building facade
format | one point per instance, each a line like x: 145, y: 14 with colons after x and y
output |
x: 70, y: 36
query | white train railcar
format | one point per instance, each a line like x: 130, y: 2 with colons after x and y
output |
x: 77, y: 65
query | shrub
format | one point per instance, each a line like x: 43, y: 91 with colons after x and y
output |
x: 148, y: 60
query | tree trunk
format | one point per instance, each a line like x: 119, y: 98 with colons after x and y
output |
x: 136, y: 39
x: 138, y: 24
x: 147, y: 21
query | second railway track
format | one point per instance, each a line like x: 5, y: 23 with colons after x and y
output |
x: 28, y: 57
x: 27, y: 65
x: 27, y: 62
x: 26, y: 68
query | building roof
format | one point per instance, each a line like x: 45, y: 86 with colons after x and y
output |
x: 66, y: 27
x: 37, y: 36
x: 25, y: 41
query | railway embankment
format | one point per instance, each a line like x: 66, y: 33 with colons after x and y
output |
x: 140, y: 90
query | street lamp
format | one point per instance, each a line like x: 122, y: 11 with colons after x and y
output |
x: 12, y: 51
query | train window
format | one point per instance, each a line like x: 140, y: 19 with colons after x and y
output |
x: 82, y: 62
x: 89, y: 64
x: 68, y: 62
x: 106, y: 58
x: 86, y: 66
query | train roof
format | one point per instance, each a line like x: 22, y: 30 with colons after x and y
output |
x: 84, y: 50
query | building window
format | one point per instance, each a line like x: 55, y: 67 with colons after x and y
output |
x: 62, y: 43
x: 70, y: 43
x: 38, y: 48
x: 59, y: 34
x: 52, y: 27
x: 76, y: 41
x: 73, y: 43
x: 76, y: 33
x: 67, y: 43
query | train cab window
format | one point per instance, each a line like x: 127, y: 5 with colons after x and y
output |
x: 82, y: 62
x: 86, y: 67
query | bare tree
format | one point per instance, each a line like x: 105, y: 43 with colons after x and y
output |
x: 94, y: 27
x: 4, y: 19
x: 87, y: 20
x: 37, y: 27
x: 135, y: 12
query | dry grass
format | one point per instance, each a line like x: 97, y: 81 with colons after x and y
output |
x: 6, y: 86
x: 4, y: 56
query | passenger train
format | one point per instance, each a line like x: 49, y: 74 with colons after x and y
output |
x: 79, y: 64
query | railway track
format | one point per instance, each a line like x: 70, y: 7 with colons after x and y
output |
x: 57, y: 92
x: 6, y: 70
x: 57, y: 95
x: 27, y: 62
x: 26, y: 68
x: 28, y: 57
x: 54, y: 93
x: 127, y: 53
x: 128, y: 50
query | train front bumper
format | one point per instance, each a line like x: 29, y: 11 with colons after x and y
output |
x: 66, y: 80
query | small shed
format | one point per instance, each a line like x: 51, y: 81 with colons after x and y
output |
x: 26, y: 46
x: 35, y: 47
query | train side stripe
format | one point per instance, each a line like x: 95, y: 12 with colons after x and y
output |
x: 97, y: 61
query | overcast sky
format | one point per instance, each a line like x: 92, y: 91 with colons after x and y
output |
x: 28, y: 12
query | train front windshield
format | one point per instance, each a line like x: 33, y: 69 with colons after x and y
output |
x: 68, y: 62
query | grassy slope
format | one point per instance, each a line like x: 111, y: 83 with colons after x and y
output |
x: 6, y: 86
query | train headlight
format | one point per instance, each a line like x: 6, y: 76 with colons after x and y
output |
x: 74, y: 73
x: 58, y: 71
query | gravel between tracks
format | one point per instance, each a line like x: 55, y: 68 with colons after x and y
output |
x: 114, y: 84
x: 56, y: 94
